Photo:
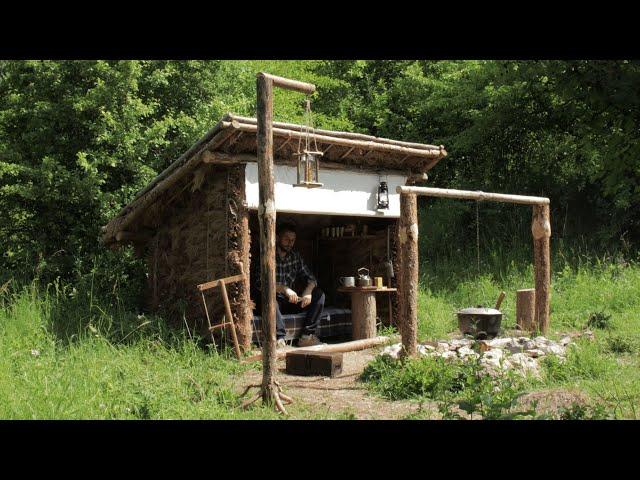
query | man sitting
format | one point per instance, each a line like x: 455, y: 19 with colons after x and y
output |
x: 291, y: 267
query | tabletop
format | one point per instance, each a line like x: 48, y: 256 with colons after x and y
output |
x: 366, y: 289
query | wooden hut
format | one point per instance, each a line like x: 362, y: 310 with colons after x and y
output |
x: 197, y: 220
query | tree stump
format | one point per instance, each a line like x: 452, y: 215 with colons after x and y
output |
x: 363, y: 315
x: 525, y: 308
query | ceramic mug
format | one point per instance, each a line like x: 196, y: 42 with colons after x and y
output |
x: 378, y: 282
x: 348, y: 281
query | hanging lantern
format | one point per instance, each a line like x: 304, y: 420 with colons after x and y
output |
x: 383, y: 196
x: 308, y: 166
x: 308, y: 159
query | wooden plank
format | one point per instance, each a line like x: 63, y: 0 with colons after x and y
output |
x: 333, y: 133
x: 364, y: 145
x: 215, y: 283
x: 227, y: 309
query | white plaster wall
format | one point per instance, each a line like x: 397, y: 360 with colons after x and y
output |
x: 343, y: 193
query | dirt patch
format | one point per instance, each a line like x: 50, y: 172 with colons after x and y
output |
x: 551, y: 401
x: 343, y: 396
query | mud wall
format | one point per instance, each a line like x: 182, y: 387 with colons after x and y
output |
x: 202, y: 236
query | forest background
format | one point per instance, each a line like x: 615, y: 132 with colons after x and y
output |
x: 79, y: 139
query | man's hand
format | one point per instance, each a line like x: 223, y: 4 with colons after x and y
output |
x: 305, y: 300
x: 291, y: 295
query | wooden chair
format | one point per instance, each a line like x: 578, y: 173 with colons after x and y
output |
x: 228, y: 317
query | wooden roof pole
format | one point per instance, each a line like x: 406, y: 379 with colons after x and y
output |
x: 540, y: 229
x: 270, y: 390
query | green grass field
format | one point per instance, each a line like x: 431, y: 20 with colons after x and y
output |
x: 64, y: 355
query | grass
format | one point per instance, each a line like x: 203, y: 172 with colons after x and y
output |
x: 65, y: 354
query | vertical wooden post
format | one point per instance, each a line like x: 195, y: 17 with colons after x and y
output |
x: 408, y: 246
x: 267, y: 219
x: 541, y: 231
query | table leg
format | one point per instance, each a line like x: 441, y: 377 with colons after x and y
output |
x: 363, y: 315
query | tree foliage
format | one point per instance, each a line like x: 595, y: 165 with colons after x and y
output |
x: 78, y: 139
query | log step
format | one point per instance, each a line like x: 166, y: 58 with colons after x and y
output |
x: 309, y: 362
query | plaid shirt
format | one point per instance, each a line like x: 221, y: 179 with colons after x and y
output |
x: 288, y: 270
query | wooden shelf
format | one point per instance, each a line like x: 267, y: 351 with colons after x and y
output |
x: 357, y: 237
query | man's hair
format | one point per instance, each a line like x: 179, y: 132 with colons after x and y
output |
x: 285, y: 227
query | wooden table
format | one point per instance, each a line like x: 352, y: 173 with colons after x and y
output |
x: 363, y: 310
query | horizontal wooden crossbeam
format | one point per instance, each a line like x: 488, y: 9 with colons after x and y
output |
x: 215, y: 283
x: 471, y: 195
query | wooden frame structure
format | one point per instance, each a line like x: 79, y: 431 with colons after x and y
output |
x: 227, y: 307
x: 408, y: 240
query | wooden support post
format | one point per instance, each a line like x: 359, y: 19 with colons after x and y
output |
x: 526, y: 308
x: 267, y: 219
x: 408, y: 246
x: 541, y: 231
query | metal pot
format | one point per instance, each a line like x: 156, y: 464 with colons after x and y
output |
x: 481, y: 322
x: 363, y: 280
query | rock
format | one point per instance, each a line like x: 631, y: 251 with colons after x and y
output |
x: 566, y: 340
x: 530, y: 345
x: 515, y: 348
x: 556, y: 350
x: 460, y: 342
x: 535, y: 353
x: 495, y: 354
x: 442, y: 347
x: 524, y: 363
x: 464, y: 352
x: 448, y: 354
x: 498, y: 342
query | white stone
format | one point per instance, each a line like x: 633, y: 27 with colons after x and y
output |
x: 566, y: 340
x: 535, y: 352
x: 499, y: 342
x: 460, y: 342
x: 467, y: 352
x: 495, y: 354
x: 556, y: 349
x: 442, y: 347
x: 448, y: 354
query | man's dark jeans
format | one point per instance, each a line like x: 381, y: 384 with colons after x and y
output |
x: 313, y: 310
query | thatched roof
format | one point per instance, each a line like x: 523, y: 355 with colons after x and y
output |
x: 233, y: 140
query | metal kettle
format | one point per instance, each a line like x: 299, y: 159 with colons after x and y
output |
x: 363, y: 280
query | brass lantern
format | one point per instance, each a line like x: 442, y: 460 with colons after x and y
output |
x: 308, y: 158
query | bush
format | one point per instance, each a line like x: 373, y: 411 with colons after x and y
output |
x: 599, y: 320
x: 453, y: 383
x: 622, y: 343
x: 429, y: 377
